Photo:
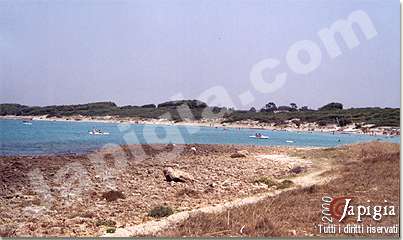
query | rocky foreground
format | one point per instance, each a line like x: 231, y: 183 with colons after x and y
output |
x: 90, y: 195
x: 367, y: 173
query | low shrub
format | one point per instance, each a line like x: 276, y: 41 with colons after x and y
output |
x: 104, y: 222
x: 285, y: 184
x: 160, y: 211
x: 266, y: 180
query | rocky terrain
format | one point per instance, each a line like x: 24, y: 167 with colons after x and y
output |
x: 90, y: 195
x: 367, y: 173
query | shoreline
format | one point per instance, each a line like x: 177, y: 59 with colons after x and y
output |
x: 216, y: 123
x: 97, y: 149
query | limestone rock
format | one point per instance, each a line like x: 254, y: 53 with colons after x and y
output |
x: 240, y: 154
x: 176, y: 175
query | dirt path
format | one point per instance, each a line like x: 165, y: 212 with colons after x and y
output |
x: 314, y: 177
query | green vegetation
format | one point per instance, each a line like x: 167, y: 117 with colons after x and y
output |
x: 160, y: 211
x: 168, y: 110
x: 266, y: 180
x: 376, y: 116
x: 105, y: 222
x: 331, y: 106
x: 332, y: 113
x: 279, y: 185
x: 285, y: 184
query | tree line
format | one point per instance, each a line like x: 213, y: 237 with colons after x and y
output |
x: 293, y: 107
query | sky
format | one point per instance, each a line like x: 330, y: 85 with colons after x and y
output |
x: 136, y: 52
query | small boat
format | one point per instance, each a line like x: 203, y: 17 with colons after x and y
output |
x: 289, y: 141
x: 259, y: 137
x: 26, y: 122
x: 97, y: 132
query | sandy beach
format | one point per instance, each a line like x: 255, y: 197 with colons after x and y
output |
x: 246, y: 124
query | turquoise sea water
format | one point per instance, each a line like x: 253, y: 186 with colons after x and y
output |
x: 48, y: 137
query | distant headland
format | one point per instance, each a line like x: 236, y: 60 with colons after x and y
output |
x: 330, y: 117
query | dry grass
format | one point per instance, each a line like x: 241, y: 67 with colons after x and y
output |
x: 367, y: 172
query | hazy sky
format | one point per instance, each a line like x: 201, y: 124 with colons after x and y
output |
x: 137, y: 52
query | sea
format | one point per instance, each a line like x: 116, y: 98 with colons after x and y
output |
x: 66, y: 137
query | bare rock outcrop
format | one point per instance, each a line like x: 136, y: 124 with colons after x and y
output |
x: 240, y: 154
x: 176, y: 175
